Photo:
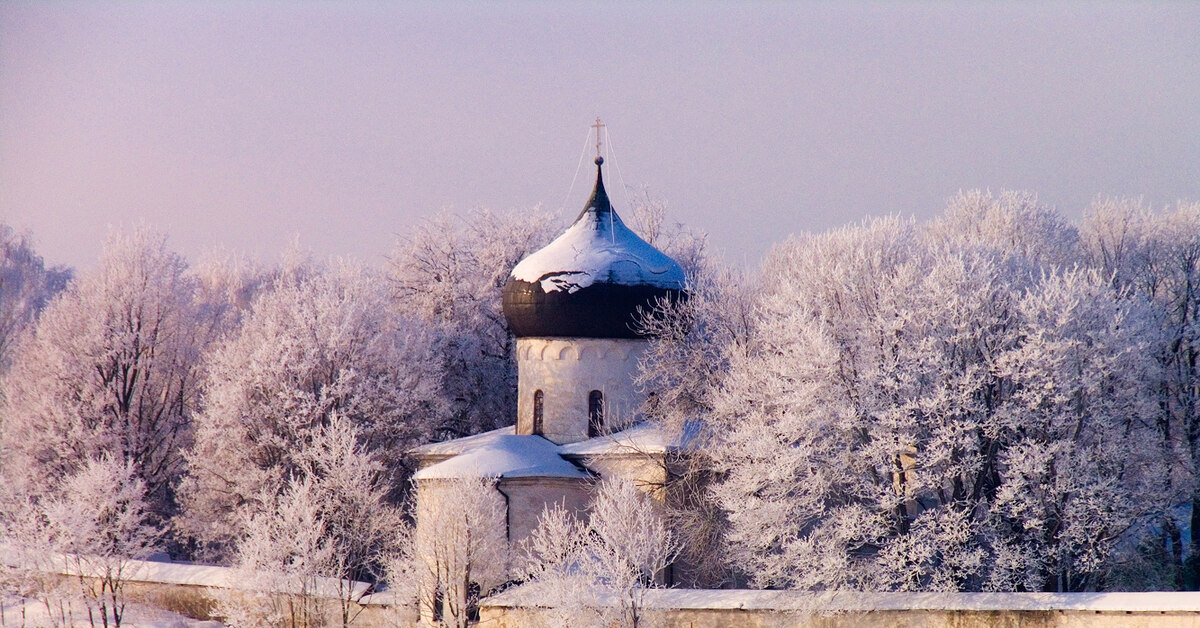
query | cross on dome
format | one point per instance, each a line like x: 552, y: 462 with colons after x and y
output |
x: 594, y: 281
x: 598, y: 125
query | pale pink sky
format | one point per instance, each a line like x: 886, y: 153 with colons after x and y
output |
x: 245, y: 124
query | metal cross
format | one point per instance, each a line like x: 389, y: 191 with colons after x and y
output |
x: 599, y: 125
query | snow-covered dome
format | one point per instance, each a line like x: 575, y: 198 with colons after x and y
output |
x: 590, y: 281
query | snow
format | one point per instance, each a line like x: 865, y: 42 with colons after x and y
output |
x: 598, y: 248
x: 502, y: 453
x: 450, y: 448
x: 135, y: 615
x: 505, y: 456
x: 188, y: 574
x: 1173, y: 601
x: 644, y: 438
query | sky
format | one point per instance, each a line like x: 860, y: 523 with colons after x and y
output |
x: 250, y: 125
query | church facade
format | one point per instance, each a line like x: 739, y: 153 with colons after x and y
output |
x: 574, y: 308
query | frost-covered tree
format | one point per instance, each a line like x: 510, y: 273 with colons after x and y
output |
x: 598, y: 572
x: 110, y: 369
x: 26, y: 285
x: 353, y: 488
x: 1012, y: 225
x: 99, y: 524
x: 1079, y: 457
x: 226, y: 286
x: 450, y: 273
x: 918, y: 412
x: 805, y: 482
x: 403, y: 574
x: 555, y: 579
x: 331, y: 529
x: 461, y: 546
x: 323, y: 341
x: 685, y: 365
x: 1157, y: 255
x: 685, y: 245
x: 283, y: 563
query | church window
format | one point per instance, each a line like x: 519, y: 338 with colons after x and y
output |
x: 538, y: 410
x: 595, y: 413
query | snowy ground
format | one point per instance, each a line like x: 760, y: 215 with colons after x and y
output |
x: 136, y: 616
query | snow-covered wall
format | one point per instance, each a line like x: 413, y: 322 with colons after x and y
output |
x: 695, y: 608
x: 566, y: 370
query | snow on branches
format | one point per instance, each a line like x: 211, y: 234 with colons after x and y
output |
x: 937, y: 408
x: 597, y: 572
x: 323, y: 341
x: 111, y: 368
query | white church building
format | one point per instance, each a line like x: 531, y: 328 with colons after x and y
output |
x: 574, y: 308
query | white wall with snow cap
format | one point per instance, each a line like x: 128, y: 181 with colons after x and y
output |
x: 697, y: 608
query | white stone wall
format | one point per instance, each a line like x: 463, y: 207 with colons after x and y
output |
x: 528, y: 497
x: 646, y: 470
x: 566, y: 370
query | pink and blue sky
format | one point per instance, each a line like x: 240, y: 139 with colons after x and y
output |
x: 247, y: 124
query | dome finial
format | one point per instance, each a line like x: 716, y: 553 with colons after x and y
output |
x: 598, y: 125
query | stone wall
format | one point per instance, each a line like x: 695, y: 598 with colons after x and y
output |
x: 695, y: 608
x: 691, y: 608
x: 528, y: 497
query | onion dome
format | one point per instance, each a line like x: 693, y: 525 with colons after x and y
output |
x: 591, y: 281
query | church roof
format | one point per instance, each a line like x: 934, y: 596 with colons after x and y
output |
x: 449, y: 448
x: 591, y: 280
x: 643, y: 438
x: 505, y: 456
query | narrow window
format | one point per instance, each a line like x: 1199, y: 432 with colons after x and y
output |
x: 438, y: 600
x: 538, y: 405
x: 595, y: 413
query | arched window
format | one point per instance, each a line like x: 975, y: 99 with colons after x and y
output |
x: 538, y: 409
x: 595, y: 413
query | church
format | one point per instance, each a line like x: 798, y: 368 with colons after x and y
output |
x: 573, y: 307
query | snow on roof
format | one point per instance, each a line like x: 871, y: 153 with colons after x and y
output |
x: 502, y: 453
x: 449, y: 448
x: 644, y: 438
x: 505, y: 456
x: 598, y: 247
x: 854, y: 601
